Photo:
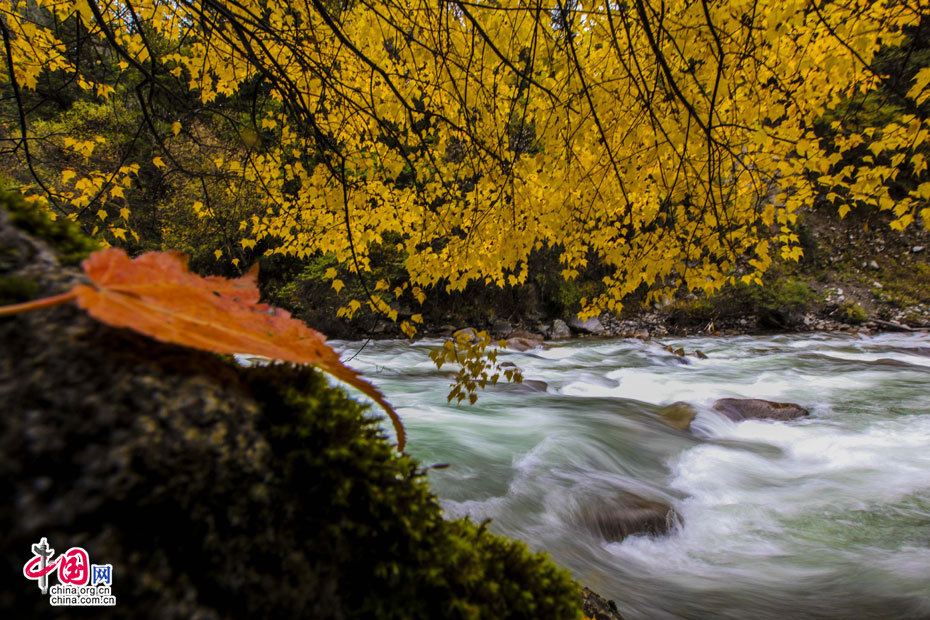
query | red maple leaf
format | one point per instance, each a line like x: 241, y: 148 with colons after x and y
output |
x: 156, y: 295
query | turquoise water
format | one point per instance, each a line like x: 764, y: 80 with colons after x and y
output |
x: 826, y: 517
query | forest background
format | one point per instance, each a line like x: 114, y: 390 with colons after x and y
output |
x: 403, y: 166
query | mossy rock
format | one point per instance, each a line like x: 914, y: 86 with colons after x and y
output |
x: 218, y: 491
x: 64, y: 236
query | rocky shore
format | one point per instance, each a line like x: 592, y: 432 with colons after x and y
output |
x: 658, y: 325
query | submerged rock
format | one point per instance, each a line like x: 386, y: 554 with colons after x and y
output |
x: 738, y: 409
x: 534, y: 385
x: 678, y: 415
x: 628, y: 514
x: 596, y: 607
x: 526, y: 386
x: 523, y: 344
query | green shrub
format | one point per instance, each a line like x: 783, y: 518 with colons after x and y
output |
x: 779, y: 303
x: 853, y: 313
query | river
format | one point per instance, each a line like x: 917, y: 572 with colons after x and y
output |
x: 828, y: 517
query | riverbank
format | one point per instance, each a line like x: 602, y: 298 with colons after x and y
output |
x: 664, y: 323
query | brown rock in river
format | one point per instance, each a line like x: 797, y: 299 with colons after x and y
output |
x: 523, y: 344
x: 628, y: 514
x: 678, y: 415
x: 738, y: 409
x: 597, y: 607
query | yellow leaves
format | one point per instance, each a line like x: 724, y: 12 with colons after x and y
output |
x: 349, y: 310
x: 919, y: 163
x: 218, y: 254
x: 792, y: 253
x: 338, y: 285
x: 923, y: 191
x: 159, y: 162
x: 885, y: 203
x: 409, y: 330
x: 124, y: 213
x: 82, y: 147
x: 919, y: 92
x: 903, y: 222
x: 104, y: 91
x: 102, y: 214
x: 176, y: 127
x: 67, y: 175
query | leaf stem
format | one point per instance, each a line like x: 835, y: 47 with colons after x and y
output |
x: 36, y: 304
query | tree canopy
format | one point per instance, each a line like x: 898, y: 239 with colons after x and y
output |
x: 674, y: 142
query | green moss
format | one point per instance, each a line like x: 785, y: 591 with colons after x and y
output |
x: 853, y: 313
x: 14, y: 290
x: 906, y: 285
x: 372, y: 514
x: 65, y: 236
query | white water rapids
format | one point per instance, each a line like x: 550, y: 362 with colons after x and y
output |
x: 828, y: 517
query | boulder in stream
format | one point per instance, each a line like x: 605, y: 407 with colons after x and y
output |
x: 628, y: 514
x: 559, y: 330
x: 678, y: 415
x: 739, y: 409
x: 523, y: 344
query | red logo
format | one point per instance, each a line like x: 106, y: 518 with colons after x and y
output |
x: 73, y: 566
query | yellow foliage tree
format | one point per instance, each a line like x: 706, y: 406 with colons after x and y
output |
x: 674, y: 141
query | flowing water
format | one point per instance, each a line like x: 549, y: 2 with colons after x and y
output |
x: 825, y: 517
